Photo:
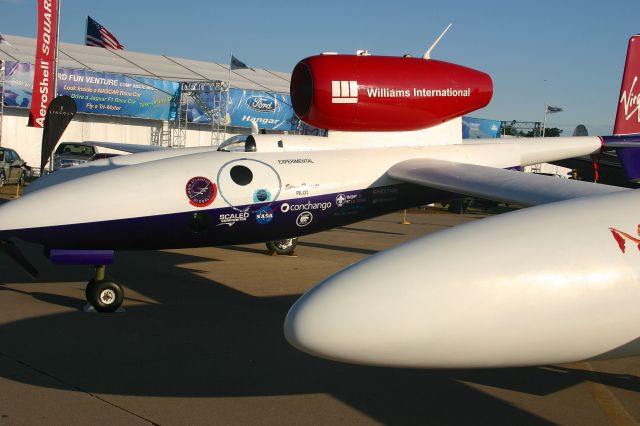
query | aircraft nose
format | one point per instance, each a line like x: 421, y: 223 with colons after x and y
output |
x: 357, y: 316
x: 403, y: 307
x: 318, y: 324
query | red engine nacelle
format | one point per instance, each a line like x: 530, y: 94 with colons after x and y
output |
x: 384, y: 93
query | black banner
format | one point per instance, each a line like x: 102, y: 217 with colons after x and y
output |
x: 60, y: 112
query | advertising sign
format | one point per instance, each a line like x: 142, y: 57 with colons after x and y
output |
x: 59, y: 114
x: 116, y: 94
x: 479, y: 128
x: 97, y: 92
x: 43, y: 76
x: 268, y: 110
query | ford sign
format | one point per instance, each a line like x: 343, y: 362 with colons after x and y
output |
x: 261, y: 104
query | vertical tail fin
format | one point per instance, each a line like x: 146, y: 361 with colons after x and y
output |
x: 628, y: 115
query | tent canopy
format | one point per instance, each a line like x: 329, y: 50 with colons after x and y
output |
x: 22, y: 49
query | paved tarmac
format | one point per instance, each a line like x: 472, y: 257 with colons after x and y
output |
x: 201, y: 343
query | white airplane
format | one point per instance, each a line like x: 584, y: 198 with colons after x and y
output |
x: 395, y: 124
x: 494, y: 293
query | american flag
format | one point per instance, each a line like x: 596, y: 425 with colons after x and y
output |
x: 99, y: 36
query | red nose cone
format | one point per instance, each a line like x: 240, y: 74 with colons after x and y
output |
x: 384, y: 93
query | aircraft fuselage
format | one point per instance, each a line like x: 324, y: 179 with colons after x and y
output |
x: 210, y: 199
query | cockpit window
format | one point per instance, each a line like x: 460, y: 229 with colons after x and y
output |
x: 234, y: 144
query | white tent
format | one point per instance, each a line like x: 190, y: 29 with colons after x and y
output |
x: 22, y: 49
x: 27, y: 140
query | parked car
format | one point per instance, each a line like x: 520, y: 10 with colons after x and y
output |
x: 103, y: 155
x: 13, y: 169
x: 69, y: 154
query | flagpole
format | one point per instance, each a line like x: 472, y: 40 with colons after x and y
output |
x: 230, y: 63
x: 55, y: 58
x: 55, y: 66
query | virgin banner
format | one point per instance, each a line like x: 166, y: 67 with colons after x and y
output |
x: 44, y: 73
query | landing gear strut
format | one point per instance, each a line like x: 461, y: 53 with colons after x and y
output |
x: 103, y: 294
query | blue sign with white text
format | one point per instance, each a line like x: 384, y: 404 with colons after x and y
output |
x: 268, y: 110
x: 480, y: 128
x: 97, y: 92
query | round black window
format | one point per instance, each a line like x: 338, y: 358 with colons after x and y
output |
x: 241, y: 175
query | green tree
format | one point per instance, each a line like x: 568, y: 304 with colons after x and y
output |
x: 550, y: 132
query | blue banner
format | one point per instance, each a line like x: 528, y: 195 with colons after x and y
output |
x: 268, y: 110
x: 97, y: 92
x: 18, y: 84
x: 479, y: 128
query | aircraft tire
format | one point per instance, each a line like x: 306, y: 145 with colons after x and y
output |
x: 284, y: 247
x: 104, y: 295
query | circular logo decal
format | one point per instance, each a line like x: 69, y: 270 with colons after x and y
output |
x: 304, y: 219
x: 261, y: 195
x: 264, y: 215
x: 284, y: 207
x: 341, y: 199
x: 201, y: 191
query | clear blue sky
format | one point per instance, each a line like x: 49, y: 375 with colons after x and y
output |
x: 566, y: 53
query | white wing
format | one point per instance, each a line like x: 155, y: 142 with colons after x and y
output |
x: 508, y: 186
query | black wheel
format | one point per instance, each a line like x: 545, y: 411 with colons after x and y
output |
x: 104, y: 295
x: 282, y: 247
x: 22, y: 179
x: 460, y: 206
x: 2, y: 179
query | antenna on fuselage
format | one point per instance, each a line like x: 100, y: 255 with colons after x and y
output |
x: 428, y: 52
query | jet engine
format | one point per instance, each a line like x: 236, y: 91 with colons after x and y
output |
x: 384, y: 93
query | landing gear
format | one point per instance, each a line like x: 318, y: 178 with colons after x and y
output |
x: 103, y: 294
x: 282, y: 247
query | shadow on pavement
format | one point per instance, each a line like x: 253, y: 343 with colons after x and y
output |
x: 201, y: 338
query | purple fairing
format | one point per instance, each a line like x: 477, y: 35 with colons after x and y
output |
x: 81, y: 257
x: 629, y: 155
x: 630, y: 160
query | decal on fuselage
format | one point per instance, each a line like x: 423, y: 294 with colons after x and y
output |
x: 622, y: 237
x: 296, y: 161
x: 261, y: 195
x: 344, y: 199
x: 304, y: 219
x: 201, y: 192
x: 303, y: 189
x: 309, y: 205
x: 264, y: 215
x: 231, y: 219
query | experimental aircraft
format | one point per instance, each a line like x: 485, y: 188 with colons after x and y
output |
x: 394, y: 142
